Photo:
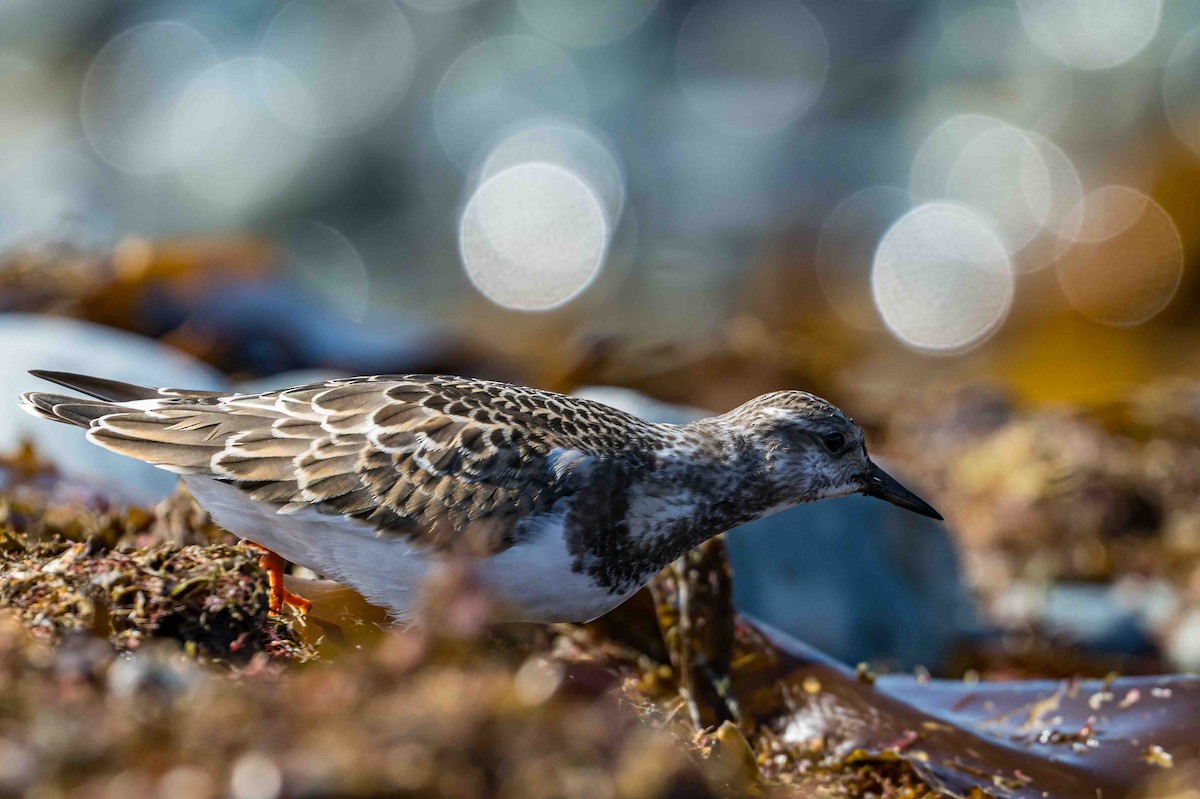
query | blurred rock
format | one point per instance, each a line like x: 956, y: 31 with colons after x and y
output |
x: 264, y: 327
x: 857, y: 577
x: 31, y: 341
x: 1081, y: 523
x: 1094, y: 616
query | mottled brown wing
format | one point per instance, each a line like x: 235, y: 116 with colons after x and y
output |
x: 450, y: 463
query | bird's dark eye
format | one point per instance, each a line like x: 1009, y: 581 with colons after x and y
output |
x: 834, y: 442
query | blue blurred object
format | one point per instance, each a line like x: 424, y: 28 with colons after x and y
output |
x: 268, y: 327
x: 856, y: 577
x: 1092, y: 616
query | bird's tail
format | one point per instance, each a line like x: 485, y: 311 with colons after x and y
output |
x: 78, y: 411
x: 102, y: 398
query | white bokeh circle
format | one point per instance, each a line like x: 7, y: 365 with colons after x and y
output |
x: 235, y: 148
x: 1091, y: 34
x: 130, y: 91
x: 580, y: 151
x: 942, y: 279
x: 533, y: 237
x: 355, y: 60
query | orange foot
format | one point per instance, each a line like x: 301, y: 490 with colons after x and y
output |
x: 273, y: 564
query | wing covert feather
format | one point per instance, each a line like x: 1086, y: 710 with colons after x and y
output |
x: 445, y: 462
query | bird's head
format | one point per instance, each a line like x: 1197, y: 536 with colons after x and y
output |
x: 811, y: 450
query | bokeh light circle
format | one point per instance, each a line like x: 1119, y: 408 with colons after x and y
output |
x: 1181, y: 90
x: 585, y: 23
x: 131, y: 88
x: 942, y: 279
x: 1091, y: 34
x: 751, y: 66
x: 354, y: 59
x: 1023, y: 183
x: 938, y: 153
x: 1127, y: 261
x: 240, y: 151
x: 1002, y: 174
x: 576, y: 149
x: 984, y: 62
x: 846, y: 251
x: 532, y: 237
x: 499, y: 83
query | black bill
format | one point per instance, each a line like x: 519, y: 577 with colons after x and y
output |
x: 882, y: 485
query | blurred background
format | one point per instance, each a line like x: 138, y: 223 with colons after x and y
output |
x: 971, y: 223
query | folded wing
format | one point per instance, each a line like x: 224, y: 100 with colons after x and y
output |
x: 450, y: 463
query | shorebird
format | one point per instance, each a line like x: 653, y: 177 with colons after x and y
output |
x: 563, y: 506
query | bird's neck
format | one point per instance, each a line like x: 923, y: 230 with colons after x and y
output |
x: 723, y: 477
x: 686, y: 485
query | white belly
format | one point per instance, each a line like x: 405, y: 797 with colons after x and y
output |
x: 536, y: 582
x: 532, y: 581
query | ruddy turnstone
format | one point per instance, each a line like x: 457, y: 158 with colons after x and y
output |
x: 564, y: 506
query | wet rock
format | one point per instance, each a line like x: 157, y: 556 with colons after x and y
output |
x: 1029, y: 739
x: 30, y: 341
x: 856, y: 577
x: 269, y: 326
x: 1094, y: 616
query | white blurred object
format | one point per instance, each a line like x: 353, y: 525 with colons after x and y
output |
x: 238, y: 130
x: 533, y: 237
x: 751, y: 66
x: 1127, y: 261
x: 579, y: 151
x: 938, y: 153
x: 355, y: 60
x: 1020, y: 181
x: 1091, y: 34
x: 942, y: 279
x: 1002, y: 174
x: 32, y: 341
x: 131, y: 89
x: 585, y: 23
x: 499, y: 83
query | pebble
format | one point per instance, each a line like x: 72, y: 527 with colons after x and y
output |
x: 32, y: 341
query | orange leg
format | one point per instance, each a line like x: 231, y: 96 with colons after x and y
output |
x: 273, y: 564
